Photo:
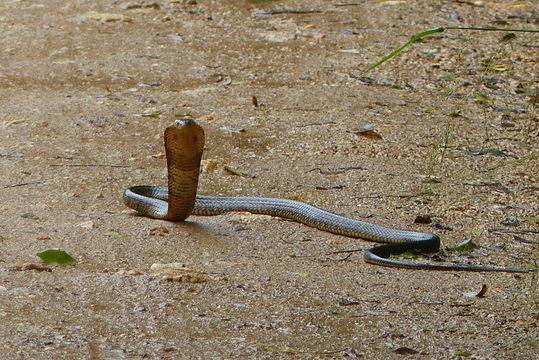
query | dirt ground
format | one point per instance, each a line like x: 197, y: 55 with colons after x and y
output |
x: 87, y: 88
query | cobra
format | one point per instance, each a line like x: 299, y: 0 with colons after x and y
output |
x: 184, y: 145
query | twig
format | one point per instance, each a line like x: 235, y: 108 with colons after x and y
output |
x: 23, y: 184
x: 9, y: 156
x: 504, y: 231
x: 337, y: 171
x: 347, y: 4
x: 345, y: 251
x: 280, y: 12
x: 90, y: 165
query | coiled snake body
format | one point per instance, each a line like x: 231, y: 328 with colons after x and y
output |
x: 184, y: 143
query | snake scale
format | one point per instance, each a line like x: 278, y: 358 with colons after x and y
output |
x: 184, y: 145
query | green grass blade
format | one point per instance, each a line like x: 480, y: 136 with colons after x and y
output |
x: 412, y: 40
x: 422, y: 34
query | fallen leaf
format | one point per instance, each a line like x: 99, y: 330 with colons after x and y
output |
x: 105, y: 17
x: 431, y: 179
x: 474, y: 294
x: 159, y: 156
x: 491, y: 151
x: 349, y: 51
x: 403, y: 350
x: 368, y: 131
x: 178, y: 272
x: 113, y: 234
x: 531, y: 219
x: 174, y: 37
x: 154, y: 114
x: 500, y: 67
x: 31, y: 266
x: 333, y: 187
x: 30, y: 216
x: 408, y: 254
x: 232, y: 130
x: 482, y: 99
x: 56, y: 256
x: 87, y: 225
x: 422, y: 219
x: 465, y: 246
x: 481, y: 182
x: 508, y: 37
x: 346, y: 302
x: 236, y: 172
x: 208, y: 165
x: 159, y: 231
x: 154, y: 6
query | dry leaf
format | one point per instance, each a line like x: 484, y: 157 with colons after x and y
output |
x: 105, y: 17
x: 87, y: 225
x: 422, y: 219
x: 403, y: 350
x: 368, y: 131
x: 208, y: 165
x: 236, y: 172
x: 473, y: 294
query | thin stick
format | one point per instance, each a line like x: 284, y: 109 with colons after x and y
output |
x: 23, y: 184
x: 90, y: 165
x: 346, y: 251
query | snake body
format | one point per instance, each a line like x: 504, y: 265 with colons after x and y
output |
x: 184, y: 142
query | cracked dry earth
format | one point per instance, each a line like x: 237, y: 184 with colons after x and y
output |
x: 87, y: 88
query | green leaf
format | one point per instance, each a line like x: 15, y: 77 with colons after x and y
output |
x: 462, y: 353
x: 412, y: 40
x: 491, y: 151
x: 482, y: 99
x: 455, y: 112
x: 532, y: 219
x: 465, y: 246
x: 152, y: 115
x: 408, y: 254
x: 113, y: 234
x: 56, y: 256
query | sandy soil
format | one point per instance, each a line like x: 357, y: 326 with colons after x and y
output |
x: 459, y: 144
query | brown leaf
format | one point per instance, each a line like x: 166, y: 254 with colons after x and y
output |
x: 473, y: 294
x: 208, y: 165
x: 159, y: 231
x: 158, y: 156
x: 30, y: 266
x: 422, y: 219
x: 346, y: 302
x: 368, y: 131
x: 403, y: 350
